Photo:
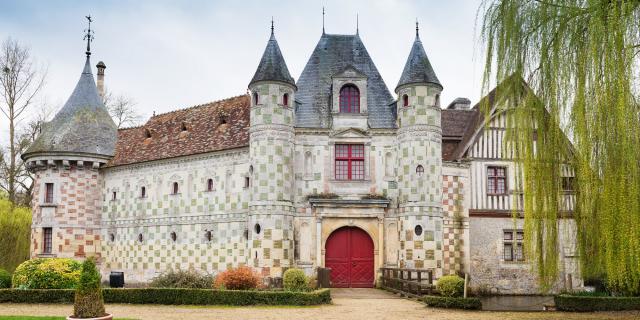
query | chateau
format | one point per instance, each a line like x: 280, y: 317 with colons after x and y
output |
x: 332, y: 170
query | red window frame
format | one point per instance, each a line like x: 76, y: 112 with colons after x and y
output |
x: 349, y: 162
x: 349, y: 99
x: 47, y: 240
x: 496, y: 180
x: 48, y: 195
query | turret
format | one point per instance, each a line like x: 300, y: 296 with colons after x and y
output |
x: 420, y: 162
x: 65, y: 159
x: 271, y: 143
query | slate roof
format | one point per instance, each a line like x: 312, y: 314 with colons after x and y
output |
x: 210, y: 127
x: 456, y: 124
x: 82, y: 126
x: 333, y: 54
x: 272, y: 66
x: 418, y: 69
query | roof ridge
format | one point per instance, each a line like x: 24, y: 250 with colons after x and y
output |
x: 198, y: 106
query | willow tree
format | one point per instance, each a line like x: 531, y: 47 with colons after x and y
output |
x: 580, y: 58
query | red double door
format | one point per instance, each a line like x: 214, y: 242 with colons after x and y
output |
x: 349, y: 254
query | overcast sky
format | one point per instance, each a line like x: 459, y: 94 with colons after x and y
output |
x: 168, y: 55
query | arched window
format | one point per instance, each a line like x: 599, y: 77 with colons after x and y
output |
x: 420, y: 170
x: 405, y: 100
x: 147, y: 133
x: 143, y: 192
x: 140, y: 237
x: 437, y: 104
x: 210, y: 185
x: 350, y: 99
x: 183, y: 126
x: 285, y: 99
x: 174, y: 236
x: 207, y: 235
x: 255, y: 98
x: 257, y: 228
x: 174, y: 189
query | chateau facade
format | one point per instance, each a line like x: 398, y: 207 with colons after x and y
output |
x: 331, y: 170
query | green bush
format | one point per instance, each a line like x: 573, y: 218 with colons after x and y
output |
x: 295, y: 280
x: 88, y: 301
x: 594, y: 303
x: 175, y: 296
x: 182, y: 279
x: 49, y: 273
x: 453, y: 303
x: 15, y: 235
x: 450, y: 286
x: 5, y: 279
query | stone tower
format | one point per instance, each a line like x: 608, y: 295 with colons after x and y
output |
x: 419, y: 162
x: 65, y: 159
x: 271, y: 146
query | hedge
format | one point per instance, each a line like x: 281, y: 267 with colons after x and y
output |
x: 174, y: 296
x: 593, y: 303
x: 452, y: 303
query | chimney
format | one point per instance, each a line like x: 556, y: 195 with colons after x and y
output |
x: 460, y: 104
x: 101, y: 66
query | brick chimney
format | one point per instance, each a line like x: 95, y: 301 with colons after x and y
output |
x: 101, y: 66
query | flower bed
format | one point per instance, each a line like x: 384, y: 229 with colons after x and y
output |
x: 175, y: 296
x: 452, y: 302
x: 596, y: 303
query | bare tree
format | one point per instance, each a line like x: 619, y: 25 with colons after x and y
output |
x: 20, y: 82
x: 121, y: 109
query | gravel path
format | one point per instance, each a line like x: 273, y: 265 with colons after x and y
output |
x: 347, y: 305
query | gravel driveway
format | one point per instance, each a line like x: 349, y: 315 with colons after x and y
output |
x: 348, y: 304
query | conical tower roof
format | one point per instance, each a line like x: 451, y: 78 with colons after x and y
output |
x: 83, y: 126
x: 418, y: 68
x: 272, y: 66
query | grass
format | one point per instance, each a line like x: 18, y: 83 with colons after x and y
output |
x: 40, y: 318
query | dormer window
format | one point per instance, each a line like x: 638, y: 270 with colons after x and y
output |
x: 147, y: 133
x: 255, y: 98
x: 175, y: 189
x: 223, y: 119
x: 285, y: 100
x: 349, y: 99
x: 183, y: 127
x: 405, y: 100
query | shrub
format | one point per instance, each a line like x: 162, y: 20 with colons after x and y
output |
x: 5, y: 279
x: 15, y: 233
x: 295, y: 280
x: 241, y: 278
x: 49, y: 273
x: 88, y: 301
x: 182, y: 279
x: 588, y: 304
x: 453, y: 303
x: 450, y: 286
x: 174, y: 296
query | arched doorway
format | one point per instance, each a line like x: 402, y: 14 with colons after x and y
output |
x: 349, y: 254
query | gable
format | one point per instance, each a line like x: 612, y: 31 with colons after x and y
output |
x: 350, y: 133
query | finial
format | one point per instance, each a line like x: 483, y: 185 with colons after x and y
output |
x: 271, y: 25
x: 357, y: 24
x: 88, y: 36
x: 322, y: 20
x: 417, y: 29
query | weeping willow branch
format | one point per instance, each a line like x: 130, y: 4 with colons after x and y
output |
x: 580, y: 58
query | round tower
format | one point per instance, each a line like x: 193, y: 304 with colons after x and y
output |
x: 271, y: 145
x: 419, y: 162
x: 65, y: 160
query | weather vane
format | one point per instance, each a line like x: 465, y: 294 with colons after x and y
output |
x: 88, y: 36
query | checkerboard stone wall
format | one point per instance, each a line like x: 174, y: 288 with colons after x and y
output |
x: 456, y: 224
x: 74, y: 214
x: 419, y: 178
x: 271, y: 152
x: 191, y: 214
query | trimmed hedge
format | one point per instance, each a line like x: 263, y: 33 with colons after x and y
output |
x: 5, y: 279
x: 453, y: 303
x: 175, y: 296
x: 594, y: 303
